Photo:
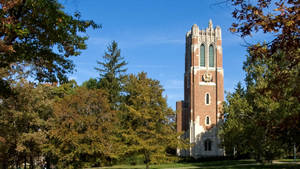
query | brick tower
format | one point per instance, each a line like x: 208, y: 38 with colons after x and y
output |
x: 199, y: 114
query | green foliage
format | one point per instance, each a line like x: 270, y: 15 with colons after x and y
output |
x: 145, y: 119
x: 81, y: 130
x: 278, y: 17
x: 264, y: 119
x: 23, y: 123
x: 70, y: 126
x: 38, y: 37
x: 92, y: 83
x: 64, y: 89
x: 111, y: 72
x: 67, y: 125
x: 236, y: 111
x: 258, y: 120
x: 276, y: 103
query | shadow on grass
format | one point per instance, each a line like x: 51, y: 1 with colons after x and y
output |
x: 256, y: 166
x: 226, y: 164
x: 247, y: 164
x: 221, y: 163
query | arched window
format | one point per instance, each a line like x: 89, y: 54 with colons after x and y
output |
x: 202, y: 55
x: 207, y: 120
x: 211, y: 56
x: 207, y: 145
x: 207, y: 98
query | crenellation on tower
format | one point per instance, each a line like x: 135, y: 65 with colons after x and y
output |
x: 203, y: 91
x: 218, y: 33
x: 195, y: 30
x: 188, y: 34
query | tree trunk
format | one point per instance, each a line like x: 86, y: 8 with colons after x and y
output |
x: 147, y: 160
x: 4, y: 164
x: 31, y: 162
x: 295, y: 151
x: 19, y: 161
x: 25, y: 161
x: 47, y: 162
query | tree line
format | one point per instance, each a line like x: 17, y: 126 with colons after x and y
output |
x: 262, y: 117
x: 102, y: 122
x: 53, y: 122
x: 60, y: 124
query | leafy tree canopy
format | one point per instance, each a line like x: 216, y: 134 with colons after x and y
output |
x: 81, y: 130
x: 262, y: 113
x: 92, y: 83
x: 280, y: 17
x: 23, y: 122
x: 145, y: 120
x: 38, y: 37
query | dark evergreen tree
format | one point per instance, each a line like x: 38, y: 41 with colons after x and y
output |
x: 111, y: 71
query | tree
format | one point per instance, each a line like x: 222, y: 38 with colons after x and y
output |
x: 279, y: 17
x: 81, y: 130
x: 257, y: 122
x: 64, y: 89
x: 236, y: 111
x: 22, y: 124
x: 145, y: 121
x: 38, y: 37
x: 111, y: 72
x: 92, y: 83
x: 276, y: 103
x: 272, y: 80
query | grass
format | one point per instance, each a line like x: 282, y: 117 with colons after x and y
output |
x: 289, y: 160
x: 228, y: 164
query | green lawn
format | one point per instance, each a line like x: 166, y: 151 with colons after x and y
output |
x: 289, y: 160
x: 246, y: 164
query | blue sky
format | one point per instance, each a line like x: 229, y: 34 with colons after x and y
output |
x: 151, y: 36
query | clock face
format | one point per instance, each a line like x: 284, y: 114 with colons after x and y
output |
x: 207, y: 77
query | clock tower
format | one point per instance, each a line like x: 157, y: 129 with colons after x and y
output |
x: 198, y: 115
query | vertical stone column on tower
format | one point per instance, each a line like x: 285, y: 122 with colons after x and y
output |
x: 220, y: 71
x: 193, y: 81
